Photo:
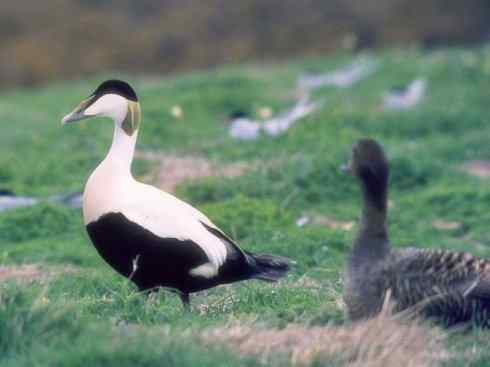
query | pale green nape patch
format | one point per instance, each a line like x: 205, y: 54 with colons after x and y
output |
x: 133, y: 118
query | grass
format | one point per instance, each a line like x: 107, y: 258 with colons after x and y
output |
x: 91, y: 316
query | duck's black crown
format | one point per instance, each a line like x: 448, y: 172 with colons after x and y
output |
x: 116, y: 87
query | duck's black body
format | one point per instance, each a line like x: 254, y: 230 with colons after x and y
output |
x: 151, y: 261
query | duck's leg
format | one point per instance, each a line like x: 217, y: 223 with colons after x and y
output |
x: 185, y: 298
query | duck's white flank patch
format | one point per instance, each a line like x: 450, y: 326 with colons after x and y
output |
x: 207, y: 270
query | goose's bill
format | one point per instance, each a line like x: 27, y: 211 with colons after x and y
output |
x: 79, y: 112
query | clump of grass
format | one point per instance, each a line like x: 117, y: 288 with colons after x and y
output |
x: 27, y: 317
x: 242, y: 215
x: 35, y: 330
x: 31, y: 272
x: 39, y: 221
x: 382, y: 341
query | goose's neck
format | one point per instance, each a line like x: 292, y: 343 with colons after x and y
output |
x: 121, y: 153
x: 373, y: 221
x: 372, y: 241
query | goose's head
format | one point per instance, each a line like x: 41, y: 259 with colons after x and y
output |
x: 369, y: 165
x: 115, y: 99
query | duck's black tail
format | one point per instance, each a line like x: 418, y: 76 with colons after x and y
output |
x: 269, y: 268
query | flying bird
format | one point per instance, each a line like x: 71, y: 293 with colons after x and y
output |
x: 451, y: 286
x: 146, y: 234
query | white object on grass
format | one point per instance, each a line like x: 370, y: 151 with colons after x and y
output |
x: 342, y: 78
x: 244, y: 128
x: 406, y: 98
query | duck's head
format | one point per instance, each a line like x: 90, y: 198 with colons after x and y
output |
x: 369, y: 165
x: 115, y: 99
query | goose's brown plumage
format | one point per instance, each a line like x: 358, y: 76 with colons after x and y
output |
x: 452, y: 286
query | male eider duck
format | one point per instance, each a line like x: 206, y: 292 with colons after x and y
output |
x: 451, y: 286
x: 148, y: 235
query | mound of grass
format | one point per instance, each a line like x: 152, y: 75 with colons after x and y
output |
x: 40, y: 221
x: 37, y: 331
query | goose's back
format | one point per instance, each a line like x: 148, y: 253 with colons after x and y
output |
x: 445, y: 284
x: 454, y: 286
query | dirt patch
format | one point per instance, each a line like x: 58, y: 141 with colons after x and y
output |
x: 329, y: 222
x: 172, y: 169
x: 383, y: 341
x: 477, y: 168
x: 334, y: 223
x: 444, y: 225
x: 307, y: 282
x: 31, y: 272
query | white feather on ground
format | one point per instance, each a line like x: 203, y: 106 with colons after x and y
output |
x: 342, y: 78
x: 72, y: 200
x: 243, y: 128
x: 407, y: 97
x: 278, y: 125
x: 12, y: 202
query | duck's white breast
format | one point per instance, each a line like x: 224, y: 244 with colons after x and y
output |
x: 157, y: 211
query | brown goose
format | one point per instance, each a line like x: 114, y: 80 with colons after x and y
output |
x: 452, y: 286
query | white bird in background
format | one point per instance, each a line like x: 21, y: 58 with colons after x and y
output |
x: 146, y: 234
x: 244, y: 128
x: 405, y: 98
x: 241, y: 127
x: 9, y: 200
x: 341, y: 78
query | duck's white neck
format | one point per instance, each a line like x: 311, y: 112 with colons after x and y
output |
x: 121, y: 153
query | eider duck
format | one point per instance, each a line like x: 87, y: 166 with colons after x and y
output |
x: 450, y: 286
x: 148, y: 235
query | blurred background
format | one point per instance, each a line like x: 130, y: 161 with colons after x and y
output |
x: 59, y: 39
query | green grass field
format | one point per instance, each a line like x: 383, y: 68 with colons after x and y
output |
x: 83, y: 314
